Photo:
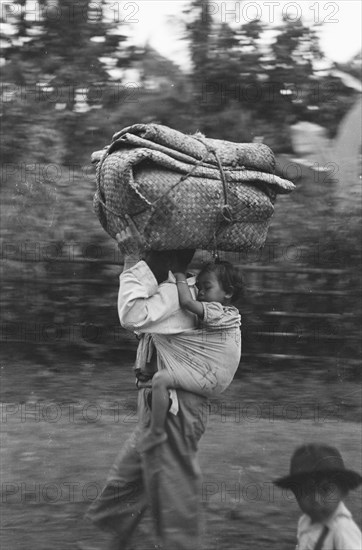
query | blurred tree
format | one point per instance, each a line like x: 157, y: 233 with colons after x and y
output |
x: 199, y: 29
x: 273, y: 86
x: 56, y: 58
x: 61, y: 44
x: 296, y: 88
x: 235, y: 64
x: 290, y: 69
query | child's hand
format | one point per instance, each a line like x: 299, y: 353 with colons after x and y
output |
x: 130, y: 241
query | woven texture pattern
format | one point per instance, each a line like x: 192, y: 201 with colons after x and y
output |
x: 175, y: 188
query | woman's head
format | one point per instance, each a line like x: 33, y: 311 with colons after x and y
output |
x: 162, y: 261
x: 219, y: 282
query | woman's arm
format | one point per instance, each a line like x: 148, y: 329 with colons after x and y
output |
x: 143, y: 305
x: 185, y: 297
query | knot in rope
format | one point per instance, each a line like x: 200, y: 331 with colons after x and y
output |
x: 227, y: 213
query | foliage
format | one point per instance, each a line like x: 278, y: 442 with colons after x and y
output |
x: 61, y: 42
x: 198, y: 30
x: 233, y: 93
x: 278, y: 86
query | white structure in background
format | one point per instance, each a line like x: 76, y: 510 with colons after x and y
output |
x: 347, y: 151
x: 310, y: 141
x: 341, y: 157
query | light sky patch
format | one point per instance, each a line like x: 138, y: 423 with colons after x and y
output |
x: 158, y: 22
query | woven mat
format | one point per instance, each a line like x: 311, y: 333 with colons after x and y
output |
x: 175, y: 188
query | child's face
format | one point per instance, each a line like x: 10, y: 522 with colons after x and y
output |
x: 319, y: 499
x: 210, y: 289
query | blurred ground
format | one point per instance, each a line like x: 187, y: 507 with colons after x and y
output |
x: 64, y: 423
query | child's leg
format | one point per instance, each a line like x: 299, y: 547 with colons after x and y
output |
x: 161, y: 383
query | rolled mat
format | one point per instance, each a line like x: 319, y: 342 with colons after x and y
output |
x: 184, y: 191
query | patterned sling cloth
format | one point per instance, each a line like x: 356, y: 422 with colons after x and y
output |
x: 187, y: 191
x: 200, y: 361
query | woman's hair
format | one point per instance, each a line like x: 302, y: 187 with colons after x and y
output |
x: 228, y: 276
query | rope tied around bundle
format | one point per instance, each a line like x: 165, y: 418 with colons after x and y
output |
x: 226, y: 211
x: 186, y: 191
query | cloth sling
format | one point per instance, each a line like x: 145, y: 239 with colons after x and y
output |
x: 200, y: 361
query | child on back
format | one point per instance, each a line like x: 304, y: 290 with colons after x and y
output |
x: 202, y: 360
x: 319, y: 480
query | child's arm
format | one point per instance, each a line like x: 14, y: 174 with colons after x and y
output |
x: 185, y: 297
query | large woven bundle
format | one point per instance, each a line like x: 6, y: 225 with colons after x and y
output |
x: 187, y: 191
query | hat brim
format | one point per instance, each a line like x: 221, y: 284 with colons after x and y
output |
x: 349, y: 478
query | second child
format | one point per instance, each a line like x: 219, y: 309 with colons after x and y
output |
x: 320, y: 482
